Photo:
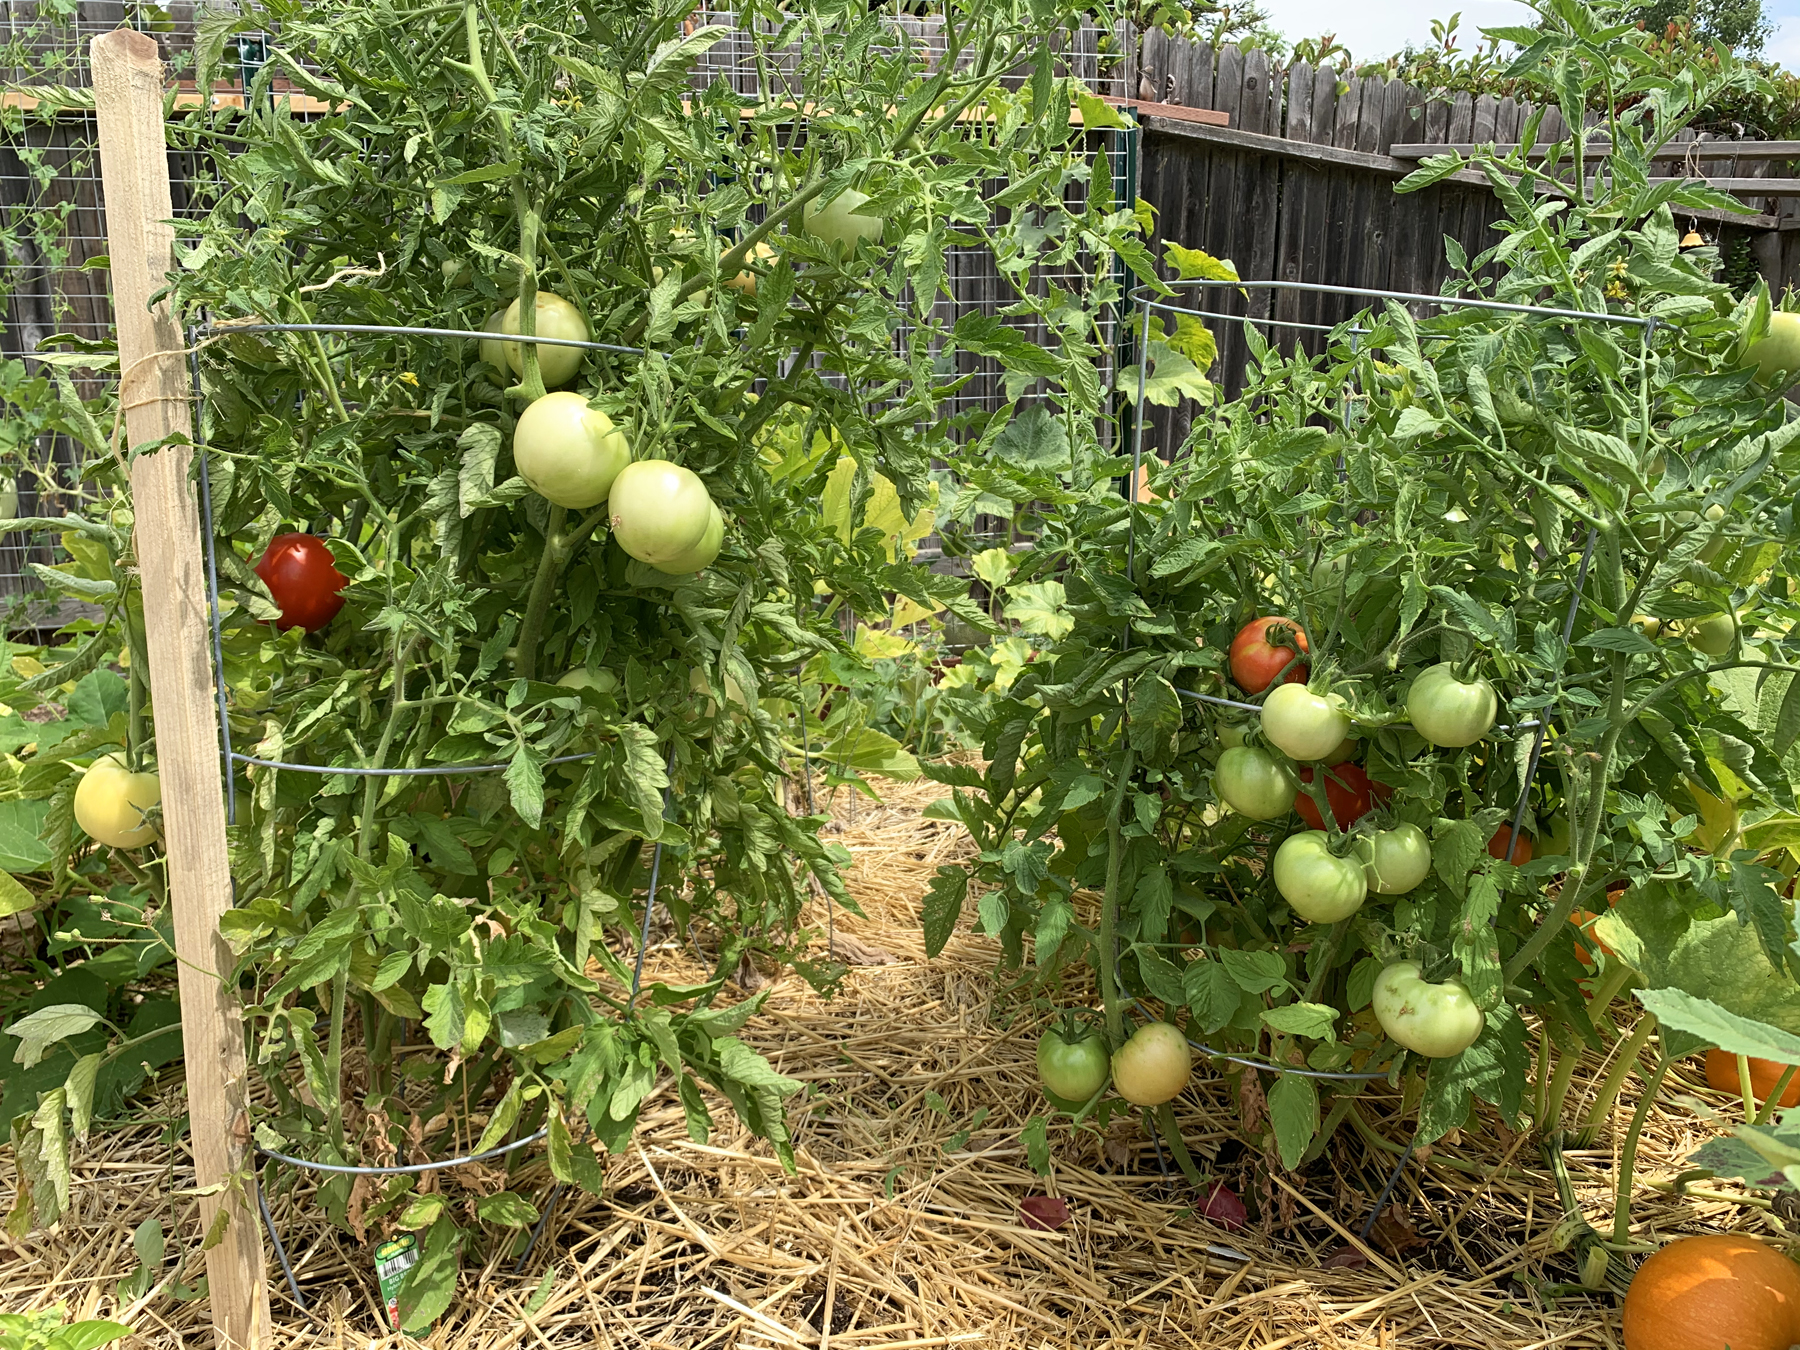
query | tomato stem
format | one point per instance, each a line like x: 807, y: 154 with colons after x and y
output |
x: 1109, y: 906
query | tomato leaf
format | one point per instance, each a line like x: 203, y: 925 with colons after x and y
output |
x: 1317, y: 1020
x: 1294, y: 1115
x: 942, y: 909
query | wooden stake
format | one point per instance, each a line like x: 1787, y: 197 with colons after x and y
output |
x: 154, y: 392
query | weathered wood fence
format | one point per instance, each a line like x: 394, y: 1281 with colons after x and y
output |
x: 1299, y: 186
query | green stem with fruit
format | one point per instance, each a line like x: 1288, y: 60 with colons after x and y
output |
x: 559, y: 547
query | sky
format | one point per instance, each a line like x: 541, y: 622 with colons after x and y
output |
x: 1376, y: 28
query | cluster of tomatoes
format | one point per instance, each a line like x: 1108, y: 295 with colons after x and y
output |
x: 1326, y: 880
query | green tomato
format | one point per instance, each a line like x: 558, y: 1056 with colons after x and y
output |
x: 660, y: 511
x: 1778, y: 352
x: 600, y: 681
x: 1072, y: 1070
x: 840, y: 223
x: 1449, y: 713
x: 1304, y: 725
x: 1712, y: 636
x: 1231, y: 734
x: 1318, y: 885
x: 1395, y: 861
x: 1254, y: 783
x: 1434, y: 1020
x: 569, y: 453
x: 555, y: 318
x: 1153, y: 1066
x: 702, y: 553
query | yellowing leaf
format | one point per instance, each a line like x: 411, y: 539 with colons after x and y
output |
x: 907, y: 612
x: 882, y: 513
x: 875, y: 645
x: 1192, y: 263
x: 993, y: 565
x: 1040, y: 608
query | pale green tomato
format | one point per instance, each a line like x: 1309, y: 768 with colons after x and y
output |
x: 111, y: 802
x: 1318, y: 886
x: 1254, y: 783
x: 1232, y: 734
x: 660, y: 511
x: 840, y: 224
x: 1396, y: 860
x: 601, y: 681
x: 1712, y: 636
x: 763, y: 256
x: 1778, y: 351
x: 569, y: 453
x: 1304, y: 725
x: 555, y: 318
x: 493, y: 350
x: 1434, y: 1020
x: 9, y: 497
x: 702, y: 553
x: 1347, y: 749
x: 1449, y: 713
x: 734, y: 692
x: 1153, y: 1066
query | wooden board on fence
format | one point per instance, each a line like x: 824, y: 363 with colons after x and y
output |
x: 154, y: 394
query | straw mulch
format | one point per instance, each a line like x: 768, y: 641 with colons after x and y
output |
x: 903, y: 1226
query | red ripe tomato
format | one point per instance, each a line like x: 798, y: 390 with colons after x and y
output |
x: 1348, y: 789
x: 1502, y: 840
x: 302, y: 576
x: 1261, y: 648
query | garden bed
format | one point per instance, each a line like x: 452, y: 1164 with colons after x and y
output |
x: 902, y: 1232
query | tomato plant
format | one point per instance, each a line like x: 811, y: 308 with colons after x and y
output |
x: 1465, y: 509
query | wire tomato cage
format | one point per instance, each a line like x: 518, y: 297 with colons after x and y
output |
x: 196, y: 335
x: 1166, y: 298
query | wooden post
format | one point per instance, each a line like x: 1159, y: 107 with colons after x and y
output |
x: 154, y: 391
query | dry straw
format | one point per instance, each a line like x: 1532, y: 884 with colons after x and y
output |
x: 900, y: 1231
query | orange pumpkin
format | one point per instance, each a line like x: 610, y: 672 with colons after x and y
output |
x: 1719, y: 1292
x: 1722, y: 1073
